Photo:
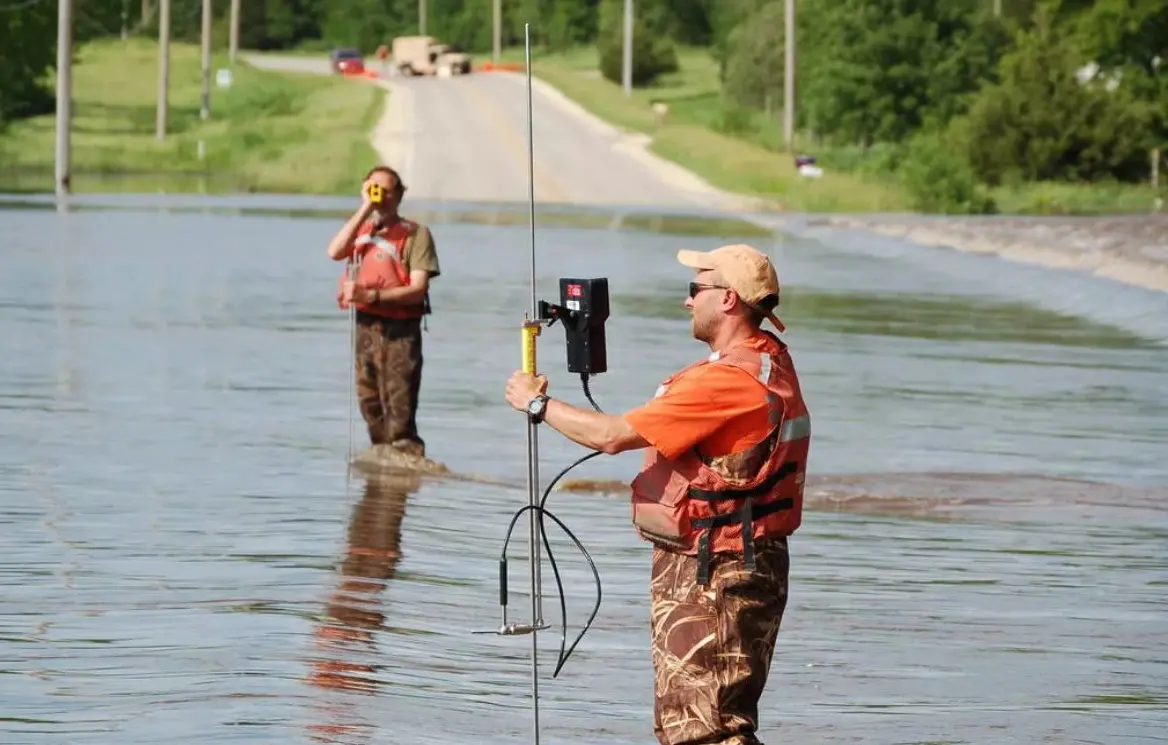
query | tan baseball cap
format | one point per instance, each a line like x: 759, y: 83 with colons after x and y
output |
x: 747, y: 270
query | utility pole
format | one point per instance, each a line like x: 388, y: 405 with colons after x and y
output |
x: 162, y: 116
x: 233, y: 42
x: 64, y: 156
x: 997, y: 8
x: 205, y: 109
x: 498, y: 30
x: 789, y: 76
x: 421, y: 17
x: 627, y: 57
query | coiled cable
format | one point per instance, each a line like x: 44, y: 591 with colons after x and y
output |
x: 542, y: 511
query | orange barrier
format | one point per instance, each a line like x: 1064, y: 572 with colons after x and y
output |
x: 365, y: 73
x: 507, y: 66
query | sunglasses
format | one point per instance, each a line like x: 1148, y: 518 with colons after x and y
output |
x: 696, y: 287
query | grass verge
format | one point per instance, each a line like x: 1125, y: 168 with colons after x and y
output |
x: 741, y: 151
x: 689, y: 135
x: 268, y: 132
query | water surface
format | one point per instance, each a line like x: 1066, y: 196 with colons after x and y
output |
x: 184, y: 559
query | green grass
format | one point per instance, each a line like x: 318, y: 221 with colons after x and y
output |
x: 268, y: 132
x: 694, y: 134
x: 278, y: 132
x: 1047, y: 198
x: 741, y: 151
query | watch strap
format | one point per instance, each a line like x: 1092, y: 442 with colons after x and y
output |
x: 537, y: 418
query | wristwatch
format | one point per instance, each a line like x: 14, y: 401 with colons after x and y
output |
x: 536, y: 409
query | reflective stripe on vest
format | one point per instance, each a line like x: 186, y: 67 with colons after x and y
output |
x: 798, y: 428
x: 764, y: 369
x: 378, y: 241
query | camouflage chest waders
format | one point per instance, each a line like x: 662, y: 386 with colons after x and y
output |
x: 389, y: 378
x: 712, y: 644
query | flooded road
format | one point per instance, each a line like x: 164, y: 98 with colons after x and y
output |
x: 183, y: 559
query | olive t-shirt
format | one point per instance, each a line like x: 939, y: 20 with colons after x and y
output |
x: 420, y: 252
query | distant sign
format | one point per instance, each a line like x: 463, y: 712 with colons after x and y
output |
x: 223, y: 78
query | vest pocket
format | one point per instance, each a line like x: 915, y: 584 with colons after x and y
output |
x: 661, y: 520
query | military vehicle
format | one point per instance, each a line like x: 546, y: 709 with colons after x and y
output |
x: 425, y: 55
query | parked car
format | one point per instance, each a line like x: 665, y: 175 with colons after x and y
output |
x: 346, y: 61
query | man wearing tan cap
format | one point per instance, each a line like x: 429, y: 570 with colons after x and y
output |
x: 726, y: 443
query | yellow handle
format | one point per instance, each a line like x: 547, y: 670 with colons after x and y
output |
x: 376, y: 193
x: 530, y: 331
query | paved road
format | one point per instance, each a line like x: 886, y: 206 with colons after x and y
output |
x: 465, y: 139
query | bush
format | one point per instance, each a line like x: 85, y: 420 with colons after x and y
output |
x: 735, y: 120
x: 938, y: 179
x: 878, y: 159
x: 654, y: 53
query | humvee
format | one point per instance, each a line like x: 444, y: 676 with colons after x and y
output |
x: 424, y: 55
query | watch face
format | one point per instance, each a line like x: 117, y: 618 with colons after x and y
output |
x: 536, y: 405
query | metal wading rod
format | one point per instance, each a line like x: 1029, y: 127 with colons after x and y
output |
x: 531, y: 330
x: 352, y: 361
x: 354, y: 265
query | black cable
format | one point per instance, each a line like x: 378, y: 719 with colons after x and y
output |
x: 541, y: 510
x: 587, y: 392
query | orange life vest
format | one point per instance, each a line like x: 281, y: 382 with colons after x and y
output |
x: 379, y: 260
x: 699, y: 505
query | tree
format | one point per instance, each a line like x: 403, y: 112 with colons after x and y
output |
x: 1043, y: 122
x: 753, y: 72
x: 573, y: 22
x: 881, y: 69
x: 28, y: 53
x: 691, y: 20
x: 1128, y: 40
x: 724, y: 17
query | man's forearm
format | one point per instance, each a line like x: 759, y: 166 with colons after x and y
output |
x: 604, y: 432
x: 407, y: 295
x: 342, y: 243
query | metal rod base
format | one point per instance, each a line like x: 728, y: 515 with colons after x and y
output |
x: 515, y: 629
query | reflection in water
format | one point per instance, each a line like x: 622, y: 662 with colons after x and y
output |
x: 344, y: 651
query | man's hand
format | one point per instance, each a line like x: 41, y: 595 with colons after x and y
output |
x: 523, y: 388
x: 367, y: 205
x: 351, y: 292
x: 609, y: 433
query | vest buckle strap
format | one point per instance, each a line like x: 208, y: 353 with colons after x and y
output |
x: 746, y: 514
x: 710, y: 495
x: 704, y: 558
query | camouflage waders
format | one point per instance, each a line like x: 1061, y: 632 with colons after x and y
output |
x: 389, y: 377
x: 712, y: 645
